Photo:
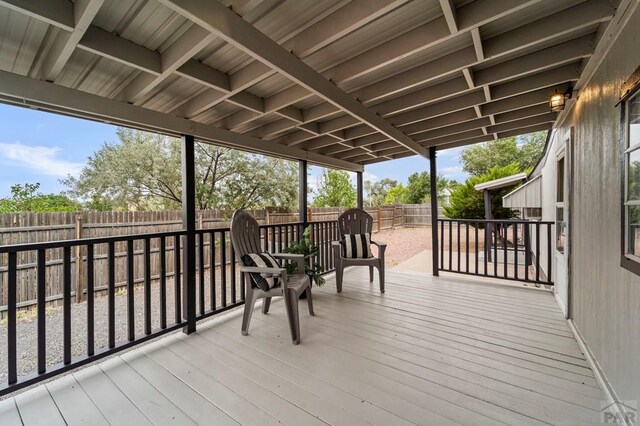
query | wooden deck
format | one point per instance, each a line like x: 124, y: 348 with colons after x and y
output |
x: 429, y: 351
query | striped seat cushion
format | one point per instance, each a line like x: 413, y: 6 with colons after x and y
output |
x: 262, y: 260
x: 356, y: 246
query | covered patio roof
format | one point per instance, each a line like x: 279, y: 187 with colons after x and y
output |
x: 338, y: 83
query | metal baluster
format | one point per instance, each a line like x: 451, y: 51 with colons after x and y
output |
x: 458, y: 245
x: 42, y: 313
x: 223, y: 262
x: 90, y: 299
x: 66, y: 300
x: 537, y: 225
x: 467, y: 246
x: 494, y: 238
x: 232, y: 261
x: 549, y: 261
x: 505, y: 229
x: 111, y: 294
x: 163, y: 282
x: 212, y: 269
x: 515, y: 252
x: 476, y: 226
x: 200, y: 240
x: 177, y: 264
x: 131, y: 318
x: 450, y: 245
x: 12, y: 282
x: 441, y: 243
x: 147, y: 286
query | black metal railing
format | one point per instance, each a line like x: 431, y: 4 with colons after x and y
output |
x: 506, y: 249
x: 142, y: 281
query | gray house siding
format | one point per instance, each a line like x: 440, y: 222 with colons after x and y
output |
x: 605, y: 299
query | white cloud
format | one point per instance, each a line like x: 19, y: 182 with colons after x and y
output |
x: 43, y: 160
x: 451, y: 170
x: 451, y: 152
x: 370, y: 176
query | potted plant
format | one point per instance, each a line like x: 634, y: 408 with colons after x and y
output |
x: 305, y: 248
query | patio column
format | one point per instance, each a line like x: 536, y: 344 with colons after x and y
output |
x: 302, y: 193
x: 359, y: 189
x: 303, y: 190
x: 188, y: 240
x: 433, y: 173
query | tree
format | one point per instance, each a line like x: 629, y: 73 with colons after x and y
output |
x: 525, y: 152
x: 396, y: 195
x: 143, y: 170
x: 26, y: 198
x: 418, y: 189
x: 335, y: 190
x: 377, y: 191
x: 466, y: 202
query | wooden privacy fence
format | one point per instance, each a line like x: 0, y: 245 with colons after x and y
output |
x: 384, y: 217
x: 24, y: 228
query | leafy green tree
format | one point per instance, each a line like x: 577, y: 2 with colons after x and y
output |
x: 26, y: 198
x: 377, y: 191
x: 396, y: 195
x: 466, y: 202
x: 143, y: 170
x: 335, y: 190
x: 418, y: 188
x: 525, y: 152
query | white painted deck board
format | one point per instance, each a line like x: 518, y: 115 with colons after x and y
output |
x: 428, y: 351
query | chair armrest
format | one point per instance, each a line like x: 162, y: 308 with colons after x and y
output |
x: 263, y: 271
x: 298, y: 258
x: 381, y: 248
x: 266, y: 273
x: 288, y: 256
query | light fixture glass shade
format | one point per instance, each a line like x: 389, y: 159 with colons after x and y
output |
x: 556, y: 102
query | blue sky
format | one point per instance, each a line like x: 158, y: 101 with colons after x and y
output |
x: 42, y: 147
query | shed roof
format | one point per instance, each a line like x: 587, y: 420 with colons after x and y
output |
x: 340, y: 83
x: 502, y: 182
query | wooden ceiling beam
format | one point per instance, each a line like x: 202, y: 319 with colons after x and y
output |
x: 223, y: 22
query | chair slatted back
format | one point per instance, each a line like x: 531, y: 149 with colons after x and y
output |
x: 245, y: 233
x: 355, y: 221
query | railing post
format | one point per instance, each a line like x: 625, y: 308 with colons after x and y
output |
x: 434, y: 210
x: 189, y: 240
x: 359, y: 189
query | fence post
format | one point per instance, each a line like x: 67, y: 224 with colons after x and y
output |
x: 379, y: 219
x: 310, y: 215
x: 80, y: 271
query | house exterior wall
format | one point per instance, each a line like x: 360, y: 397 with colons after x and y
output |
x: 605, y: 298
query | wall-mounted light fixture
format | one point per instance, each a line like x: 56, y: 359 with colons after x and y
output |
x: 558, y: 100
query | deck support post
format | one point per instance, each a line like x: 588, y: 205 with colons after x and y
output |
x: 433, y: 177
x: 302, y: 194
x: 188, y: 240
x: 359, y: 189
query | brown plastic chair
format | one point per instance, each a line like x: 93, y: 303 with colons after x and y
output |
x: 357, y: 221
x: 245, y: 237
